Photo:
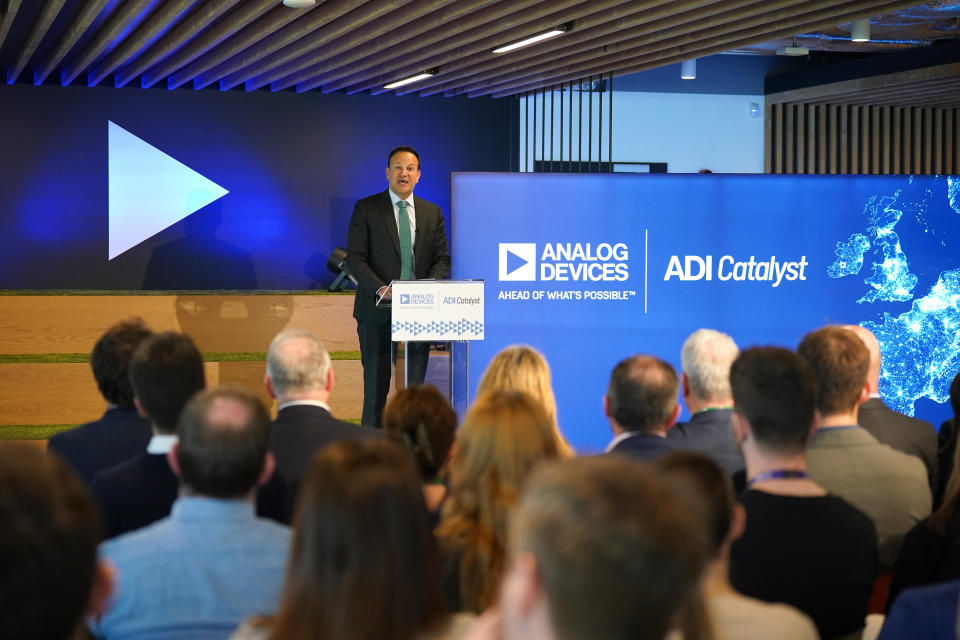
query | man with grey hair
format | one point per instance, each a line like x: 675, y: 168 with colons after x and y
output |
x: 903, y: 433
x: 705, y: 383
x: 300, y: 377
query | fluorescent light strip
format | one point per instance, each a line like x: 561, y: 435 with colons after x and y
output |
x: 530, y: 40
x: 410, y: 80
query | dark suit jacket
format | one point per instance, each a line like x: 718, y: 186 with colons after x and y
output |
x: 910, y: 435
x: 643, y: 446
x: 709, y: 433
x: 135, y: 493
x: 120, y: 434
x: 298, y: 433
x: 373, y: 250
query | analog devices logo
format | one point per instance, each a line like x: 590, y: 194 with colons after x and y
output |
x: 518, y: 261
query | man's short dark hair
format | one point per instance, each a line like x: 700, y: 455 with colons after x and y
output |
x: 775, y: 390
x: 840, y: 361
x: 48, y: 545
x: 642, y: 394
x: 224, y: 435
x: 166, y: 370
x: 403, y: 149
x: 619, y: 548
x: 110, y: 360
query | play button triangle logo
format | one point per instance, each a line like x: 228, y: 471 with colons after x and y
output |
x: 518, y: 261
x: 148, y: 190
x: 514, y: 262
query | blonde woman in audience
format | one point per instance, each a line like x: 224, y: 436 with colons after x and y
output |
x: 364, y: 564
x: 523, y: 368
x: 503, y: 437
x: 423, y: 421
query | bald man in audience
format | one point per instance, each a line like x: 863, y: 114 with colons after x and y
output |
x: 641, y: 404
x: 889, y: 486
x: 300, y: 376
x: 705, y: 384
x: 903, y: 433
x: 211, y: 563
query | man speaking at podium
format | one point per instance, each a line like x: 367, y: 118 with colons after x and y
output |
x: 393, y: 236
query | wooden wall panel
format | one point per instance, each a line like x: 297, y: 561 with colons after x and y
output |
x: 231, y: 323
x: 862, y: 139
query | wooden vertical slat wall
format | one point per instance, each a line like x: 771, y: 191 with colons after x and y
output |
x: 863, y: 139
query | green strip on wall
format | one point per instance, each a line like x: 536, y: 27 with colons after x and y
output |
x: 31, y: 431
x: 213, y: 356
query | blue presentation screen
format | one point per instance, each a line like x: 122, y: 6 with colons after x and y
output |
x: 590, y: 269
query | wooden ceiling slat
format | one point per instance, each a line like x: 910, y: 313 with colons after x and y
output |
x: 944, y: 72
x: 693, y: 45
x: 598, y: 42
x: 71, y: 36
x: 251, y: 34
x: 207, y: 40
x: 358, y: 27
x: 371, y: 72
x: 7, y: 19
x: 389, y: 32
x: 161, y: 19
x: 200, y: 20
x: 124, y: 15
x: 39, y: 29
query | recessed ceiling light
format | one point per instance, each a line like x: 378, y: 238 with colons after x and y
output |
x: 532, y: 39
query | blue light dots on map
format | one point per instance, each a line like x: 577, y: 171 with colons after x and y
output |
x: 849, y: 256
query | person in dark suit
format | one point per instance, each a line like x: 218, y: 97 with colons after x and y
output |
x: 166, y: 370
x: 903, y: 433
x: 705, y: 383
x: 641, y: 404
x: 121, y: 433
x: 300, y: 377
x: 377, y: 254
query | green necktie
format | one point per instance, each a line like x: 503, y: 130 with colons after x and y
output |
x: 406, y: 251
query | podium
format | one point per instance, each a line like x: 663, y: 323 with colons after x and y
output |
x: 439, y: 311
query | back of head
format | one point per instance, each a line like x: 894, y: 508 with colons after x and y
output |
x: 364, y: 563
x: 775, y: 390
x: 224, y: 434
x: 642, y: 394
x: 840, y: 362
x: 873, y: 349
x: 709, y: 482
x: 297, y: 363
x: 502, y: 438
x: 424, y: 422
x: 521, y: 368
x: 48, y: 545
x: 166, y: 370
x: 705, y: 359
x: 619, y: 549
x: 955, y: 398
x: 110, y: 360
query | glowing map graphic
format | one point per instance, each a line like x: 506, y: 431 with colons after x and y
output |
x: 921, y: 347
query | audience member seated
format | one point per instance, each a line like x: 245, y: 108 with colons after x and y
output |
x: 888, y: 485
x: 523, y: 368
x: 300, y: 377
x: 199, y: 572
x: 50, y: 577
x: 931, y: 550
x: 603, y: 547
x: 503, y: 436
x: 641, y: 404
x: 705, y: 384
x: 733, y: 615
x: 924, y: 613
x: 801, y: 546
x: 423, y: 421
x: 364, y: 564
x: 903, y: 433
x: 121, y: 433
x: 947, y: 440
x: 166, y: 370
